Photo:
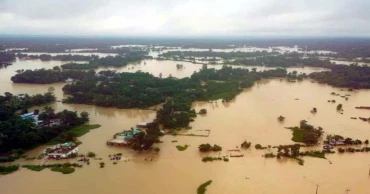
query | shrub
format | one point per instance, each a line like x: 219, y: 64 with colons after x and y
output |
x: 91, y: 154
x: 203, y: 111
x: 216, y: 148
x: 246, y: 144
x: 258, y: 146
x: 205, y: 147
x: 102, y: 164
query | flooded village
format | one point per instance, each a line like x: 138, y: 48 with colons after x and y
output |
x: 239, y: 136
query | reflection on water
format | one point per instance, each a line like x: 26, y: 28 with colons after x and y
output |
x: 251, y: 116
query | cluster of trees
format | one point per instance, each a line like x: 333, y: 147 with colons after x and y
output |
x: 207, y: 148
x: 246, y: 144
x: 143, y: 90
x: 11, y: 103
x: 210, y: 53
x: 47, y: 57
x: 6, y: 57
x: 352, y: 76
x: 282, y: 61
x: 109, y: 61
x: 145, y: 141
x: 47, y: 76
x: 306, y: 133
x: 19, y: 133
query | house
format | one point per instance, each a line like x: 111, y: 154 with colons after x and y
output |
x: 124, y: 138
x: 33, y: 116
x: 61, y: 151
x: 69, y: 80
x: 142, y: 124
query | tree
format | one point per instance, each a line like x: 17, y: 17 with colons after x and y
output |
x: 56, y: 68
x: 203, y: 111
x: 205, y: 147
x: 339, y: 107
x: 310, y: 138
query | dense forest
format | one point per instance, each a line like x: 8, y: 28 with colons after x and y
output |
x: 19, y: 133
x: 47, y: 76
x: 352, y: 76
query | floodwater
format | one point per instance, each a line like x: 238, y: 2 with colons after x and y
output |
x: 338, y: 62
x: 251, y: 116
x: 72, y: 53
x: 167, y: 67
x: 279, y: 49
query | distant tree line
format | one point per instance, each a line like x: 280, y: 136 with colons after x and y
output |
x: 47, y: 76
x: 352, y: 76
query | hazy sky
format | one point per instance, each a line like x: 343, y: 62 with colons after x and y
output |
x: 186, y: 17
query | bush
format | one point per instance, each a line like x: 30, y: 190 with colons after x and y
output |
x: 203, y: 111
x: 102, y: 164
x: 156, y: 149
x: 246, y: 144
x: 202, y: 188
x: 366, y: 141
x: 258, y: 146
x: 91, y: 155
x: 216, y: 148
x: 182, y: 148
x: 205, y: 147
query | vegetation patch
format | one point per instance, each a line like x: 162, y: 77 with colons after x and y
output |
x: 202, y: 188
x: 207, y: 147
x: 8, y: 169
x: 63, y: 170
x: 41, y: 167
x: 81, y: 130
x: 306, y: 133
x: 91, y: 154
x: 246, y: 144
x: 182, y: 148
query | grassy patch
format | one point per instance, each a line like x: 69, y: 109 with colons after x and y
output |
x: 64, y: 170
x: 297, y: 134
x: 77, y: 131
x: 82, y: 129
x: 202, y: 188
x: 182, y: 148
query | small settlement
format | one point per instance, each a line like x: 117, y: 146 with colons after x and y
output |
x: 35, y: 116
x: 62, y: 151
x: 124, y: 138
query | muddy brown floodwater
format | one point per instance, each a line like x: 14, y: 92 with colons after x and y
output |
x: 251, y: 116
